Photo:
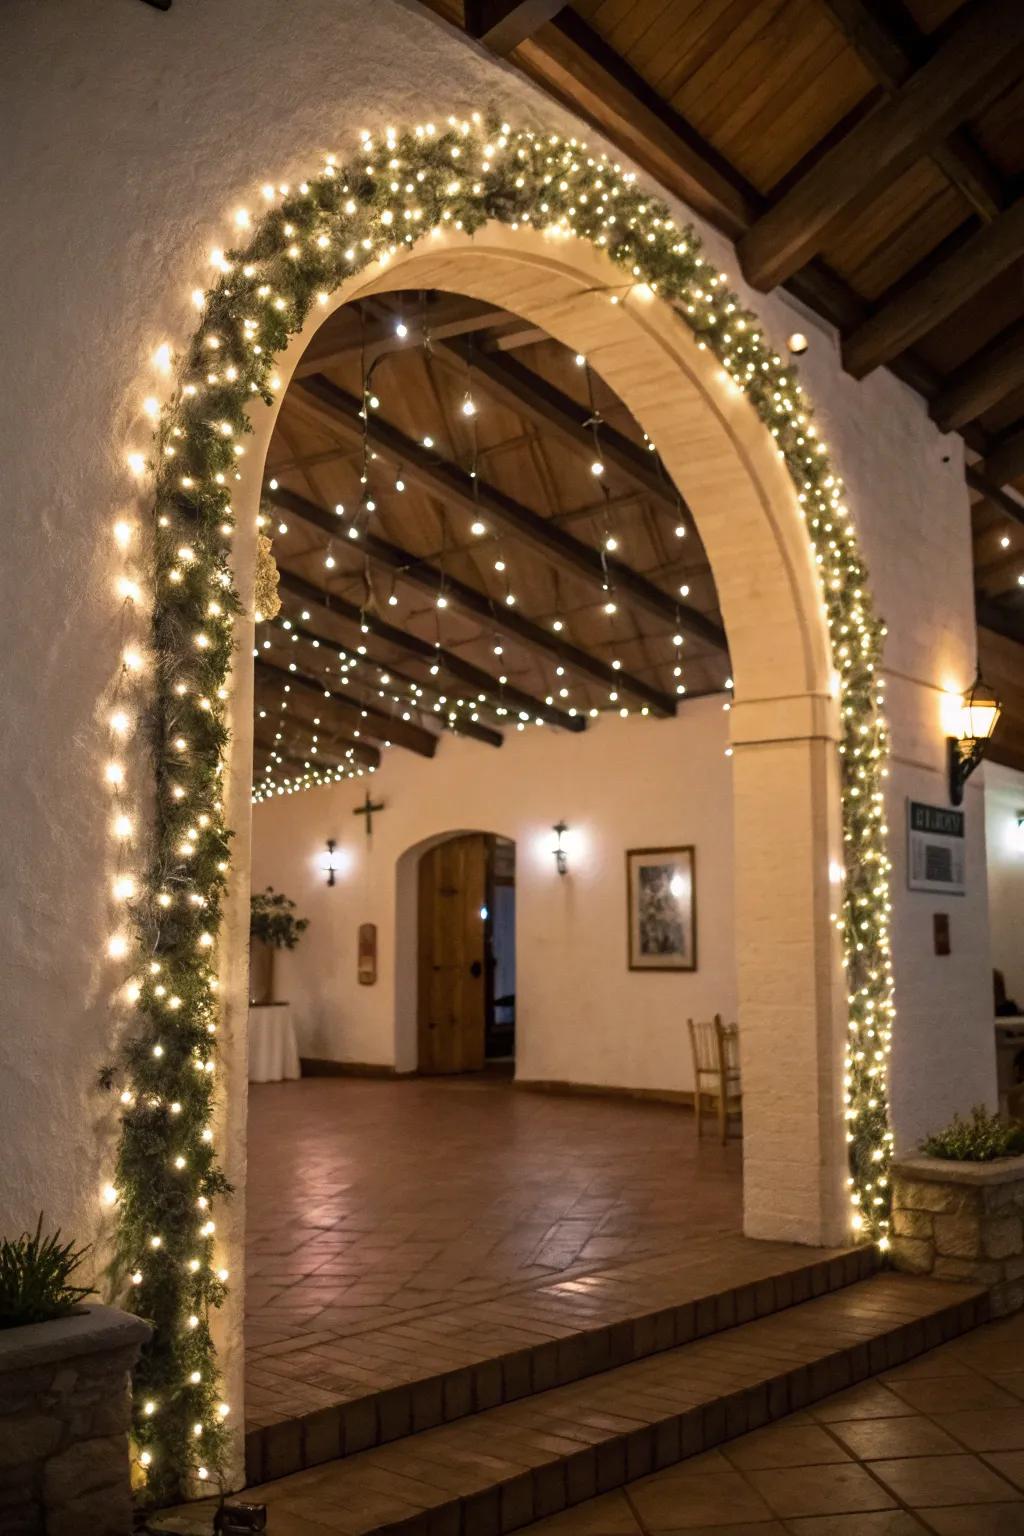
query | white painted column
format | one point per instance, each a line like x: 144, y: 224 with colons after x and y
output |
x: 792, y: 995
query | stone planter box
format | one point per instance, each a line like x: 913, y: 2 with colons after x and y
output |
x: 962, y: 1221
x: 65, y: 1403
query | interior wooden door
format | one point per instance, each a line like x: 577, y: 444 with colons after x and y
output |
x: 454, y: 881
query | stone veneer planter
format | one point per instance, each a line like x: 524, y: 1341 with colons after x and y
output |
x: 962, y: 1221
x: 64, y: 1418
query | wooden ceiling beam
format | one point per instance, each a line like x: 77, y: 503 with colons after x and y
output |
x: 1008, y: 505
x: 496, y: 617
x: 979, y: 55
x: 982, y: 381
x: 577, y: 67
x: 363, y: 718
x: 1002, y: 618
x: 898, y: 322
x: 530, y: 395
x: 459, y: 726
x: 315, y: 759
x: 502, y: 25
x: 451, y: 663
x: 336, y: 740
x: 892, y: 62
x: 450, y: 481
x: 448, y: 315
x: 1005, y: 462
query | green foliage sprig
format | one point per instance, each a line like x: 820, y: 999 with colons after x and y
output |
x: 980, y: 1139
x: 395, y: 191
x: 271, y: 920
x: 35, y: 1278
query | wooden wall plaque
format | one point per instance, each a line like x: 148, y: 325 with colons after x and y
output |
x: 367, y: 954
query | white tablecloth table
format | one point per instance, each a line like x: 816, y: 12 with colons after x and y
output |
x: 273, y: 1053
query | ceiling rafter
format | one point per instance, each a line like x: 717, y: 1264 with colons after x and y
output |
x: 576, y: 66
x: 451, y: 481
x: 980, y: 54
x: 1007, y: 504
x: 530, y: 394
x: 368, y: 720
x: 456, y: 667
x: 295, y: 749
x: 891, y: 61
x: 502, y: 25
x: 460, y: 726
x: 338, y: 739
x: 993, y: 373
x: 499, y: 618
x: 914, y: 311
x: 1005, y: 460
x: 1003, y: 618
x: 449, y: 315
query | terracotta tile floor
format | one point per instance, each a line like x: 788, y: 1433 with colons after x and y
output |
x: 891, y: 1457
x: 375, y: 1203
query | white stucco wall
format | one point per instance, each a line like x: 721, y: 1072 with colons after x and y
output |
x: 1004, y: 804
x: 130, y: 135
x: 582, y: 1015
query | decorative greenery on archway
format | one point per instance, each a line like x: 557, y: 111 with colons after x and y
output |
x: 397, y: 190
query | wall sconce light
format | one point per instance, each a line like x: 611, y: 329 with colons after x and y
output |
x: 560, y: 851
x: 979, y: 715
x: 330, y: 861
x: 1020, y: 831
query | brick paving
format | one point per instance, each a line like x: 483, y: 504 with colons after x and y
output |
x: 394, y: 1225
x: 867, y: 1462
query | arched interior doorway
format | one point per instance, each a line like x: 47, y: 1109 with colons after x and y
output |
x: 784, y: 722
x: 454, y: 953
x: 465, y: 942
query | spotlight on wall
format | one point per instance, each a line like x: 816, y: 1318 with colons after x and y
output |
x: 329, y: 863
x: 979, y: 715
x: 560, y: 851
x: 797, y: 343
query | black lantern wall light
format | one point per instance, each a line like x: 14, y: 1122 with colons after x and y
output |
x: 979, y: 715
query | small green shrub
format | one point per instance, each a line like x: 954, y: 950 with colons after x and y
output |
x: 35, y: 1272
x: 271, y: 920
x: 978, y: 1140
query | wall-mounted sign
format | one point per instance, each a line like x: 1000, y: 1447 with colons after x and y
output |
x: 367, y: 954
x: 935, y: 849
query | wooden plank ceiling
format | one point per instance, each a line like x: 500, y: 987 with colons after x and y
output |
x: 866, y: 154
x: 450, y: 559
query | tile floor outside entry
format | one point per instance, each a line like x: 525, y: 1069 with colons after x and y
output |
x: 372, y: 1204
x: 936, y: 1446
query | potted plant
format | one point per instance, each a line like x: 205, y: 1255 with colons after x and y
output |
x: 958, y: 1209
x: 64, y: 1401
x: 272, y: 926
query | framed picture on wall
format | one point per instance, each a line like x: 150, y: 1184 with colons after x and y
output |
x: 661, y: 889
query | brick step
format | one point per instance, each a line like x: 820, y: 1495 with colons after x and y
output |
x: 423, y: 1373
x: 503, y: 1468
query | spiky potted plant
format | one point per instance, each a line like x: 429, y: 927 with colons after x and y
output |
x: 64, y: 1402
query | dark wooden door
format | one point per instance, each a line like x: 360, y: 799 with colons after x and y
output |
x: 454, y: 970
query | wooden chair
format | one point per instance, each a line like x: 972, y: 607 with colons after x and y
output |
x: 716, y: 1070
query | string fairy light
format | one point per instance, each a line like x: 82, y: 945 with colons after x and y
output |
x: 300, y: 248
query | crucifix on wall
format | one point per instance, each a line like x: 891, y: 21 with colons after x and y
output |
x: 367, y: 809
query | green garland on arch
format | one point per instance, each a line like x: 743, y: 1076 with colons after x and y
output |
x: 396, y: 190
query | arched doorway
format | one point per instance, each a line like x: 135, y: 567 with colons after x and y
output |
x: 454, y: 959
x: 791, y: 587
x: 465, y: 940
x: 785, y: 719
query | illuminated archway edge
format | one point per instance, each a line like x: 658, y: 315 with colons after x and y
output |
x: 429, y: 199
